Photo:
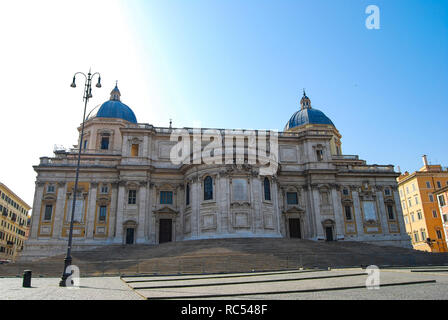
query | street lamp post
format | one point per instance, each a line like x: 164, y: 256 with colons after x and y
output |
x: 87, y: 96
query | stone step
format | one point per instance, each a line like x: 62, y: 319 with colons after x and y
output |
x: 226, y: 255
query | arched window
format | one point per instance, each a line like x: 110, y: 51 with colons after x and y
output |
x: 208, y: 188
x: 267, y: 189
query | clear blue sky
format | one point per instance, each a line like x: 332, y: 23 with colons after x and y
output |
x: 243, y: 64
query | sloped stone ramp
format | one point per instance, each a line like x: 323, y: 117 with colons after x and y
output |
x: 264, y: 285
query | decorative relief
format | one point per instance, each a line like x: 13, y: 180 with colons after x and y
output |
x: 208, y: 221
x: 165, y: 149
x: 241, y: 220
x: 288, y: 154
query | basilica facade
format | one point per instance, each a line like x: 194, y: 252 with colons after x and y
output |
x: 131, y: 191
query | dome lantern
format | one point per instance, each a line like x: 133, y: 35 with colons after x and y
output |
x: 305, y: 102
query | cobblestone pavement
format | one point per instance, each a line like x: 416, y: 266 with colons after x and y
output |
x: 98, y: 288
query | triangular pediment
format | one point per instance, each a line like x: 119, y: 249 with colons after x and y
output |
x: 294, y: 209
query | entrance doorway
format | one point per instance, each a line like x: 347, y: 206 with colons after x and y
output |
x: 130, y: 235
x: 165, y: 230
x: 294, y: 228
x: 329, y: 233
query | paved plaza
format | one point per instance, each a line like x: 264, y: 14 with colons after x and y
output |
x: 339, y: 284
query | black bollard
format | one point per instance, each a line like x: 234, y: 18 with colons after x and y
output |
x: 27, y: 279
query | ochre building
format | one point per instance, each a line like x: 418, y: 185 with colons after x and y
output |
x: 14, y: 224
x: 421, y: 211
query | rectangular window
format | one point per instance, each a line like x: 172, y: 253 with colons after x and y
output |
x: 104, y: 143
x: 48, y: 212
x: 416, y: 237
x: 291, y: 198
x: 387, y: 192
x: 434, y: 213
x: 413, y: 187
x: 423, y: 235
x: 348, y: 213
x: 345, y: 192
x: 50, y: 189
x: 412, y: 217
x: 428, y: 184
x: 406, y: 219
x: 166, y: 197
x: 431, y: 198
x: 445, y: 218
x: 320, y: 155
x: 441, y: 199
x: 419, y: 215
x: 439, y: 234
x: 390, y: 212
x: 103, y: 213
x: 409, y: 201
x: 134, y: 150
x: 416, y: 200
x: 85, y: 144
x: 104, y: 189
x: 403, y: 204
x: 132, y: 197
x: 439, y: 185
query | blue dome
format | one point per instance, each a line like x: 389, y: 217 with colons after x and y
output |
x: 114, y: 108
x: 307, y: 116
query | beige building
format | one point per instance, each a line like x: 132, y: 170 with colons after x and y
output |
x: 131, y: 190
x: 14, y: 223
x: 420, y: 208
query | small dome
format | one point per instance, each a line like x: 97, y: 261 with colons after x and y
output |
x: 307, y: 115
x: 114, y: 108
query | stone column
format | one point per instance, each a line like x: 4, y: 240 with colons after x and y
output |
x: 256, y: 199
x: 382, y: 212
x: 113, y: 212
x: 195, y: 207
x: 140, y: 237
x: 148, y: 212
x: 37, y: 204
x: 399, y: 213
x: 120, y: 213
x: 339, y: 219
x: 152, y: 235
x: 276, y: 215
x: 317, y: 216
x: 90, y: 220
x: 59, y: 211
x: 358, y: 214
